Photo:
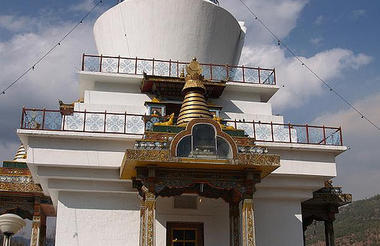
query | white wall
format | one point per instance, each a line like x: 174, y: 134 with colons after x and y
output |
x: 278, y: 222
x: 170, y: 29
x: 77, y: 152
x: 97, y: 219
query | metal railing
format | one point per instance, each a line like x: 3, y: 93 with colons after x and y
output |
x: 212, y: 72
x: 135, y: 124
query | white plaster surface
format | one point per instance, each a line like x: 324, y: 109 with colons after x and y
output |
x: 278, y: 222
x: 97, y: 219
x: 180, y: 29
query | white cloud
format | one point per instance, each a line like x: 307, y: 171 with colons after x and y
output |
x: 319, y: 20
x: 280, y: 15
x: 316, y: 41
x: 357, y: 13
x: 17, y: 24
x: 85, y: 6
x: 53, y: 79
x: 299, y: 83
x: 358, y: 167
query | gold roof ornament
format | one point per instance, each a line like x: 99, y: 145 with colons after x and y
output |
x: 194, y: 105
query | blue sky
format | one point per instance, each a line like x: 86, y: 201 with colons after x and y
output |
x: 338, y: 39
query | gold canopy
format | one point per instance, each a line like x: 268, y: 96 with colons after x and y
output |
x: 194, y: 105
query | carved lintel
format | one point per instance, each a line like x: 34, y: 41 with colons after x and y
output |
x: 248, y: 225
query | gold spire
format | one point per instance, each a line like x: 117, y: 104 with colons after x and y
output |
x: 194, y: 104
x: 20, y: 154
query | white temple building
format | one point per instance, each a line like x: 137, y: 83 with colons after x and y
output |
x: 164, y: 149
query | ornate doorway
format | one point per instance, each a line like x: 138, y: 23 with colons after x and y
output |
x: 184, y: 234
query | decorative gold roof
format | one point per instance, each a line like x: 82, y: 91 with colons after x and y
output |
x: 194, y: 104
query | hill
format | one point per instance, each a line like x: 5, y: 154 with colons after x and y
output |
x: 357, y: 224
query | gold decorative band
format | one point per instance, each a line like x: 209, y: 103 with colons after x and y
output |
x: 194, y: 106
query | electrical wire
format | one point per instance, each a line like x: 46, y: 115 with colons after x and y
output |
x: 279, y: 42
x: 51, y: 49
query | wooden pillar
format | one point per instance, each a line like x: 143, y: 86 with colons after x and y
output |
x: 148, y: 219
x: 329, y: 232
x: 38, y: 236
x: 42, y: 230
x: 248, y: 222
x: 142, y: 222
x: 234, y: 224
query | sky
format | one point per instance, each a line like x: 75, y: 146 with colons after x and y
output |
x: 338, y: 39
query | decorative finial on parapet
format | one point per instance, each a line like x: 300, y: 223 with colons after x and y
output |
x: 194, y: 70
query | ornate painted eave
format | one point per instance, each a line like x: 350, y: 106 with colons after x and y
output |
x: 170, y: 88
x: 17, y: 180
x: 265, y: 163
x: 18, y: 193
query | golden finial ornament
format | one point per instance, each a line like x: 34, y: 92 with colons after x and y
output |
x: 194, y: 103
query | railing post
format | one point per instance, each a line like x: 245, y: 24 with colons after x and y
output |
x: 290, y: 134
x: 235, y: 124
x: 210, y: 72
x: 307, y: 133
x: 136, y: 65
x: 271, y: 128
x: 125, y: 122
x: 227, y: 73
x: 22, y: 117
x: 84, y: 120
x: 63, y: 122
x: 274, y: 78
x: 324, y: 134
x: 118, y: 64
x: 170, y: 68
x: 341, y: 136
x: 177, y: 69
x: 254, y: 130
x: 153, y: 66
x: 105, y: 120
x: 100, y: 64
x: 83, y: 62
x: 242, y: 68
x: 43, y: 118
x: 258, y: 71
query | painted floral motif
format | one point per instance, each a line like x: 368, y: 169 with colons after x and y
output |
x: 74, y: 122
x: 251, y: 75
x: 33, y: 119
x: 91, y: 64
x: 53, y: 121
x: 127, y: 66
x: 144, y: 67
x: 248, y: 128
x: 115, y: 123
x: 95, y: 122
x: 109, y: 65
x: 135, y: 124
x: 219, y: 73
x: 161, y: 68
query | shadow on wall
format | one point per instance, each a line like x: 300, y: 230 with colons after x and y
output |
x: 101, y: 201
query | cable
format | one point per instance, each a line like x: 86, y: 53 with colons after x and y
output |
x: 279, y: 42
x: 51, y: 49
